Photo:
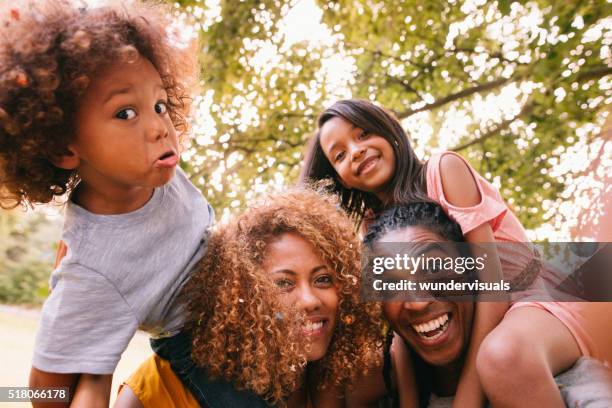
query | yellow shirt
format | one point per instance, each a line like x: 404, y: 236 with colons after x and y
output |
x: 156, y: 386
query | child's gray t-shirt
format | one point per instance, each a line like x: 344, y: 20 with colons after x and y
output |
x: 121, y: 272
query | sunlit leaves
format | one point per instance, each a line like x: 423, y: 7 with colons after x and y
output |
x: 506, y: 83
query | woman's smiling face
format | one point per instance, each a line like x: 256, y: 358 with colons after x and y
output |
x: 307, y: 283
x: 439, y: 331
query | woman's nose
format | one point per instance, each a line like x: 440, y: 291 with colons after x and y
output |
x: 416, y: 306
x: 308, y: 300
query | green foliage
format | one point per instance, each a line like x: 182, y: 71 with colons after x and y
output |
x: 26, y: 284
x: 429, y: 61
x: 433, y: 58
x: 27, y: 248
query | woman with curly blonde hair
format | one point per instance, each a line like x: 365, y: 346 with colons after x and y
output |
x: 301, y: 248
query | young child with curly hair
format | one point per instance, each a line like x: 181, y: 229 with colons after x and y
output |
x: 93, y: 102
x: 302, y: 245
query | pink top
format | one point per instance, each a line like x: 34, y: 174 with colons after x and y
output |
x: 491, y: 209
x: 582, y: 319
x: 516, y: 254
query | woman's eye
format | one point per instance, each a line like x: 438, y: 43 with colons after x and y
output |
x: 431, y: 269
x: 126, y: 114
x: 324, y: 281
x: 161, y: 107
x: 339, y: 156
x: 283, y: 284
x: 364, y: 134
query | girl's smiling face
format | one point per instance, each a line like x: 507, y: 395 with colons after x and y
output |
x: 362, y: 160
x: 308, y: 284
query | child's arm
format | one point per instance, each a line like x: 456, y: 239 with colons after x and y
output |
x: 460, y: 190
x: 93, y: 391
x: 40, y: 379
x: 487, y: 316
x: 370, y: 388
x: 404, y: 374
x: 127, y: 399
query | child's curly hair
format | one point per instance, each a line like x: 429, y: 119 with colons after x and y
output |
x: 235, y: 335
x: 49, y: 52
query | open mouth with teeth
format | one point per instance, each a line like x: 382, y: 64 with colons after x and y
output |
x: 310, y: 328
x: 434, y: 328
x: 366, y: 165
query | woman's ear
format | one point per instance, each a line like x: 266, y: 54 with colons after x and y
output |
x: 68, y: 161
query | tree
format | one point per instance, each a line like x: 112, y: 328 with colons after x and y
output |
x: 27, y: 250
x: 430, y: 62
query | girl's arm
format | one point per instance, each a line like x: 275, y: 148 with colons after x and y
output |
x: 40, y: 379
x: 93, y: 391
x: 370, y: 388
x: 404, y: 374
x: 127, y: 399
x: 85, y: 390
x: 460, y: 190
x: 366, y: 390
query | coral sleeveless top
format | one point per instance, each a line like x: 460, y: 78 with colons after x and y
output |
x: 587, y: 321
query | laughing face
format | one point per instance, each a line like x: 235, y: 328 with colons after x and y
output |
x: 362, y: 160
x: 439, y: 331
x: 307, y: 283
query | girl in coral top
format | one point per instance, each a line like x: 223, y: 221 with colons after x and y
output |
x: 366, y: 154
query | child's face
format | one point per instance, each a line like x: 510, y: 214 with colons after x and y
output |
x: 124, y: 138
x: 363, y: 161
x: 306, y: 283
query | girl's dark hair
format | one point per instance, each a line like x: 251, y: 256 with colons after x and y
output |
x: 408, y: 183
x: 423, y: 214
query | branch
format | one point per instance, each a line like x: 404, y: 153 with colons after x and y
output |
x: 407, y: 86
x: 459, y: 95
x: 378, y: 53
x: 497, y: 54
x: 527, y: 108
x: 596, y: 73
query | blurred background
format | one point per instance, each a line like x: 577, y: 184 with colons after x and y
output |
x: 521, y: 89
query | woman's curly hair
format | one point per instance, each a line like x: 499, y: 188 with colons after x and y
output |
x: 49, y: 52
x: 235, y: 333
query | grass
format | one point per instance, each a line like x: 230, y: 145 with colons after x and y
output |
x: 18, y: 326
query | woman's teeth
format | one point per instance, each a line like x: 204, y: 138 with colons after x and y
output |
x: 433, y: 328
x: 312, y: 326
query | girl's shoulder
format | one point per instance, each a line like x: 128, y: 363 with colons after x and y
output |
x: 447, y: 160
x: 464, y: 194
x: 449, y: 174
